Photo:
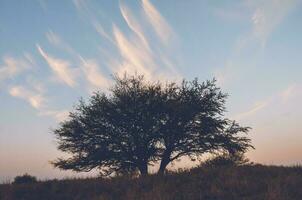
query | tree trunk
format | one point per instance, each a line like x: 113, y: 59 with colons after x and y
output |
x: 143, y: 169
x: 163, y: 164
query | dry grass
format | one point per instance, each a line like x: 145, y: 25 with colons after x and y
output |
x: 241, y: 182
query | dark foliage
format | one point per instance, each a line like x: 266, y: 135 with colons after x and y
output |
x: 26, y: 178
x: 227, y: 159
x: 140, y: 123
x: 250, y: 182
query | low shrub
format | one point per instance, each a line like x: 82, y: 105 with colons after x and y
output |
x: 24, y: 179
x: 226, y: 159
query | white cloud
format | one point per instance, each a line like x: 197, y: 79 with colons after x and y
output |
x: 57, y: 115
x: 80, y: 4
x: 57, y: 41
x: 225, y: 74
x: 290, y: 92
x: 136, y: 59
x: 161, y: 27
x: 236, y: 12
x: 136, y: 54
x: 60, y: 67
x: 53, y: 38
x: 264, y: 16
x: 277, y: 104
x: 34, y: 98
x: 11, y: 67
x: 99, y: 28
x: 268, y: 15
x: 90, y: 67
x: 256, y: 108
x: 133, y: 23
x: 93, y: 74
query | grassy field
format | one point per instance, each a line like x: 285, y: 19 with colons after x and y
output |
x: 227, y: 182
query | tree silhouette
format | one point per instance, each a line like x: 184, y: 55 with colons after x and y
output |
x: 139, y: 123
x: 193, y: 123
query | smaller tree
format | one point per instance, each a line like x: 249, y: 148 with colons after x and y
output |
x: 193, y: 123
x: 227, y: 159
x: 24, y: 179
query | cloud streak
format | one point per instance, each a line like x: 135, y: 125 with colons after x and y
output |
x: 91, y: 70
x: 135, y: 57
x: 93, y: 74
x: 159, y: 24
x: 292, y: 91
x: 11, y: 67
x: 56, y: 40
x: 268, y: 15
x: 58, y: 115
x: 256, y: 108
x: 34, y: 98
x: 288, y: 98
x: 263, y: 16
x: 60, y: 67
x: 138, y: 55
x: 133, y: 24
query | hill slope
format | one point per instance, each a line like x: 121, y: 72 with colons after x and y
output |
x: 242, y: 182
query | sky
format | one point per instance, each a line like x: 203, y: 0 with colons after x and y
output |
x: 52, y: 53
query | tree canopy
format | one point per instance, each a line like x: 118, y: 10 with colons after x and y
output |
x: 139, y: 123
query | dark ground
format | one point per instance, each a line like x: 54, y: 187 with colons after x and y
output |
x: 211, y: 183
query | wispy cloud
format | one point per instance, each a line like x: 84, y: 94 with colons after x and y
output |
x: 53, y: 38
x: 33, y: 97
x: 138, y: 56
x: 277, y: 103
x: 293, y: 90
x: 256, y: 108
x: 133, y: 23
x: 11, y: 66
x: 57, y: 41
x: 58, y: 115
x: 134, y: 49
x: 224, y: 74
x: 263, y: 17
x: 234, y: 12
x: 91, y: 69
x: 136, y: 59
x: 43, y: 4
x: 60, y: 67
x: 161, y: 27
x: 100, y: 30
x: 268, y: 15
x: 93, y: 74
x: 86, y: 10
x: 34, y: 94
x: 80, y: 4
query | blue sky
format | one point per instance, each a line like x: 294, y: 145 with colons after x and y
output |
x: 54, y: 52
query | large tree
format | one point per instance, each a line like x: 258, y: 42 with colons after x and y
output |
x: 139, y: 123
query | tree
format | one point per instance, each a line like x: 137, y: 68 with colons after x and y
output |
x: 140, y: 123
x: 226, y: 159
x: 115, y: 133
x: 193, y: 123
x: 24, y: 179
